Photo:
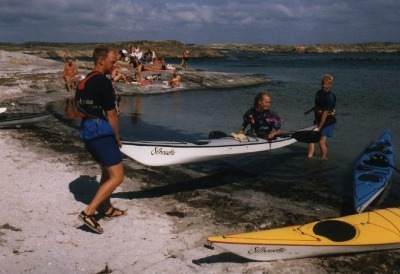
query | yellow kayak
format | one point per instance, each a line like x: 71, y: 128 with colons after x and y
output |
x: 369, y: 231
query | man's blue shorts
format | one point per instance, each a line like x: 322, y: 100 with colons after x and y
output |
x: 104, y: 150
x: 328, y: 130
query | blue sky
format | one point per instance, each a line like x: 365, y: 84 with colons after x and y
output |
x: 284, y: 22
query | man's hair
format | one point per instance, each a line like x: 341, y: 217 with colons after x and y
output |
x: 100, y: 53
x: 327, y: 78
x: 258, y: 97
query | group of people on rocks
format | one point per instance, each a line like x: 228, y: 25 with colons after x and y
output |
x: 150, y: 62
x: 137, y: 63
x: 140, y: 62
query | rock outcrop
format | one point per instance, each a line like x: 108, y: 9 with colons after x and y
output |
x: 173, y: 49
x: 318, y: 48
x: 38, y: 80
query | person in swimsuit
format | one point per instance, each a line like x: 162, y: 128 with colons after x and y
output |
x: 69, y: 74
x: 116, y: 75
x: 185, y: 58
x: 176, y: 80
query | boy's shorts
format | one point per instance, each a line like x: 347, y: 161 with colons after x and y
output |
x: 328, y: 130
x: 105, y: 150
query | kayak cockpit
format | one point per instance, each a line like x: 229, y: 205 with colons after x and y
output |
x: 334, y: 230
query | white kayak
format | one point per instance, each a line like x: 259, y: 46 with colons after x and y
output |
x: 3, y: 110
x: 14, y: 119
x: 165, y: 153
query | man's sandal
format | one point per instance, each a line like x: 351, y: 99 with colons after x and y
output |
x: 115, y: 213
x: 90, y: 222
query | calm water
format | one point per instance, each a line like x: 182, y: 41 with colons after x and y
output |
x: 367, y: 89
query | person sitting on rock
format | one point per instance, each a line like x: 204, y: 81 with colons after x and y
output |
x: 151, y: 55
x: 176, y: 80
x: 116, y: 75
x: 123, y: 55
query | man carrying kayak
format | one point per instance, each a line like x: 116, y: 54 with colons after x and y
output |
x: 264, y: 122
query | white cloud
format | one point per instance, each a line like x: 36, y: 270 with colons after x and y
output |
x: 204, y: 21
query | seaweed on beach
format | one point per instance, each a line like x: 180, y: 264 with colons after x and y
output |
x: 10, y: 227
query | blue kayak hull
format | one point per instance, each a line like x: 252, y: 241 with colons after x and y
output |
x: 373, y: 171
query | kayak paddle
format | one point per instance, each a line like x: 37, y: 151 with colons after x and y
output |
x: 308, y: 111
x: 303, y: 136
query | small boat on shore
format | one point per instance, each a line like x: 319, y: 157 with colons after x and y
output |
x: 373, y: 171
x: 14, y: 119
x: 369, y: 231
x: 165, y: 153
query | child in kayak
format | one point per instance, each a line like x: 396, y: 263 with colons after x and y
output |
x: 264, y: 122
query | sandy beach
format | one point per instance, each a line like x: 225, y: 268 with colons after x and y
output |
x: 48, y: 178
x: 43, y: 192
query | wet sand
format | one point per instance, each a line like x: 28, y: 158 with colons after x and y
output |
x: 48, y: 178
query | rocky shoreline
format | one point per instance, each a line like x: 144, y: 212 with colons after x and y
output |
x: 173, y: 49
x: 39, y: 80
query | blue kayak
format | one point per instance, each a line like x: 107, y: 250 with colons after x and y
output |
x: 373, y: 171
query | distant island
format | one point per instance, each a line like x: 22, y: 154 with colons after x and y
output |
x: 173, y: 49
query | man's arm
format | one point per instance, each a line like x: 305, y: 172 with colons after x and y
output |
x: 274, y: 133
x: 112, y: 118
x: 323, y: 119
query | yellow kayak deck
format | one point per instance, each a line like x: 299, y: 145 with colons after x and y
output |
x: 377, y: 227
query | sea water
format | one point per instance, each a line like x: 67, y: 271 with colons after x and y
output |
x: 366, y: 86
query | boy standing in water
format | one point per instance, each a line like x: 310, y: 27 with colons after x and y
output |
x: 324, y: 113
